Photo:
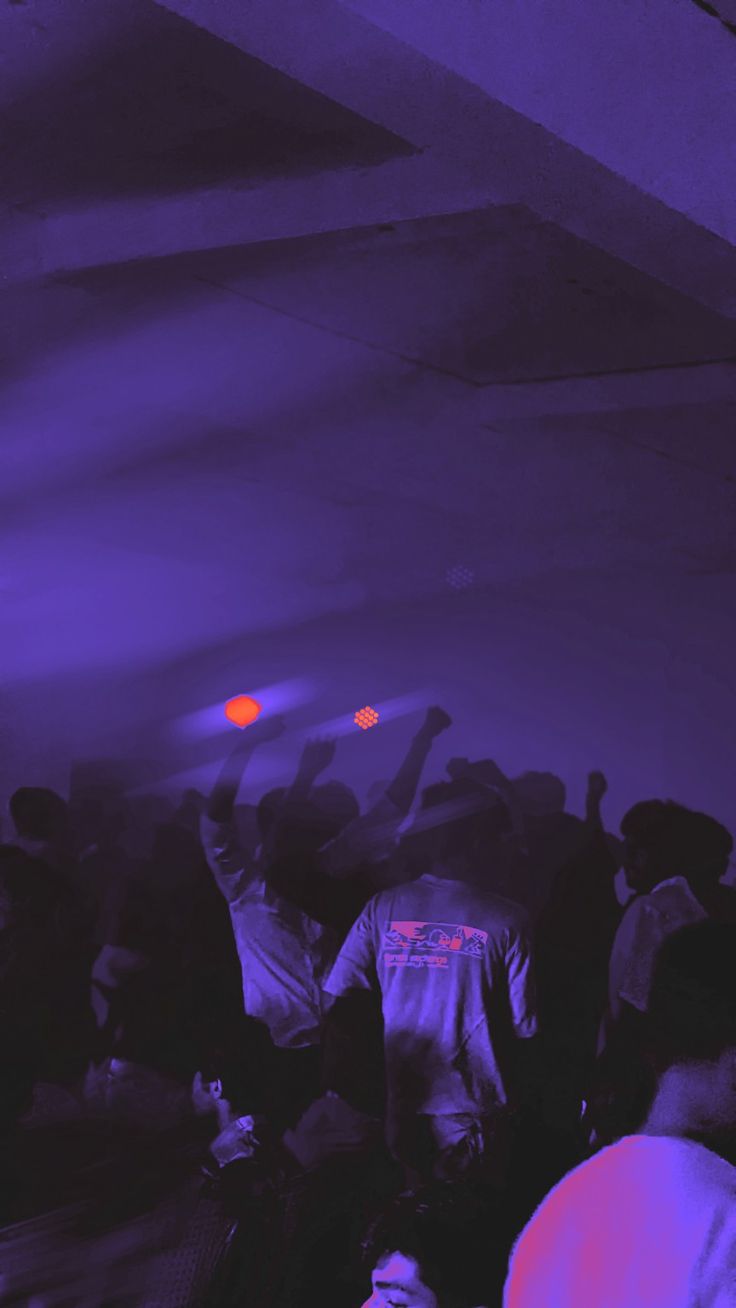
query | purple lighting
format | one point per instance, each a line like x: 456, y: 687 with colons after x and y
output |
x: 367, y: 612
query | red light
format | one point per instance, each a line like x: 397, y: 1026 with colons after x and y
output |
x: 365, y: 718
x: 242, y: 710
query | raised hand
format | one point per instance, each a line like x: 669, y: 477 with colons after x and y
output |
x: 597, y: 786
x: 317, y: 755
x: 436, y: 722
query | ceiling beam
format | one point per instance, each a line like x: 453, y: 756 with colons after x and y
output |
x: 398, y: 74
x: 653, y: 388
x: 475, y: 152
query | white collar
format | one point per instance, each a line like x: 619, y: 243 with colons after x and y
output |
x: 672, y: 881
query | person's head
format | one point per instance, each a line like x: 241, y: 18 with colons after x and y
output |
x: 318, y: 820
x: 651, y: 832
x: 39, y: 814
x: 307, y: 825
x: 540, y: 794
x: 268, y: 811
x: 704, y: 848
x: 235, y: 1077
x: 338, y: 805
x: 692, y: 1025
x: 432, y: 1250
x: 459, y: 820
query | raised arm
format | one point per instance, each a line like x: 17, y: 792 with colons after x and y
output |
x: 597, y: 787
x: 231, y: 866
x: 372, y: 833
x: 403, y: 788
x: 317, y: 756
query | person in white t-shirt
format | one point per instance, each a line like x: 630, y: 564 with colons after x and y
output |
x: 450, y: 964
x: 663, y: 901
x: 285, y: 948
x: 650, y: 1222
x: 662, y: 904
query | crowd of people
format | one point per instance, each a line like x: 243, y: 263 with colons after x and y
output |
x: 423, y: 1055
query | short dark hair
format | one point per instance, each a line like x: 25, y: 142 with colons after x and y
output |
x: 337, y: 801
x: 546, y: 792
x: 472, y: 809
x: 312, y: 822
x: 448, y: 1230
x: 678, y: 841
x: 692, y: 1004
x: 38, y: 813
x: 643, y: 821
x: 653, y: 826
x: 704, y: 845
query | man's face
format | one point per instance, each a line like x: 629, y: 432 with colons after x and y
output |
x: 397, y: 1283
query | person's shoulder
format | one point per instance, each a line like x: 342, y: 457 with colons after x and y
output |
x: 650, y: 1172
x: 504, y: 913
x: 637, y: 908
x: 704, y: 1167
x: 645, y: 1154
x: 672, y: 898
x: 382, y: 902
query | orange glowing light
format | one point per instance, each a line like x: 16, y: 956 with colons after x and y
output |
x: 242, y: 710
x: 365, y: 718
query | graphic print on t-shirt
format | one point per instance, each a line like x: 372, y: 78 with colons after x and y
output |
x: 430, y: 944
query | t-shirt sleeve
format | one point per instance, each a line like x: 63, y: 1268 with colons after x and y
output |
x: 633, y: 955
x: 521, y: 984
x: 355, y: 965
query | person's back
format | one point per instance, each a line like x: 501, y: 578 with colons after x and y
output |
x: 280, y: 947
x: 452, y: 963
x: 647, y: 1223
x: 650, y: 1222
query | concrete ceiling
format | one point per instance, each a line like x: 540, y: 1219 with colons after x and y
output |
x: 305, y: 304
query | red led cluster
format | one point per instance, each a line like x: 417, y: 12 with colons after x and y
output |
x: 365, y: 718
